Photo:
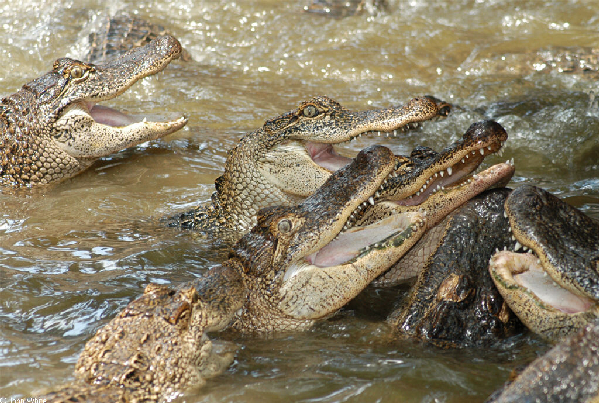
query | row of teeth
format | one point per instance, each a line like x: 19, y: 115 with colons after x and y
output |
x: 518, y: 245
x: 415, y: 228
x: 395, y: 132
x: 449, y: 171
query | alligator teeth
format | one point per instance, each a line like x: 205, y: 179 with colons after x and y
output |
x: 463, y: 162
x: 442, y: 173
x: 449, y: 171
x: 468, y: 155
x: 482, y: 151
x: 513, y: 238
x: 509, y: 229
x: 518, y: 246
x: 505, y: 215
x: 489, y: 148
x: 525, y: 248
x: 418, y: 193
x: 473, y: 152
x: 371, y: 200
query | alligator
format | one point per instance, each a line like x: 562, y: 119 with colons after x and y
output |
x: 568, y: 373
x: 157, y: 347
x: 554, y: 287
x: 345, y: 8
x: 454, y: 302
x: 290, y: 157
x: 53, y: 129
x: 121, y: 33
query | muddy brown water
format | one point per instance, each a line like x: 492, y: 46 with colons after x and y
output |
x: 73, y: 255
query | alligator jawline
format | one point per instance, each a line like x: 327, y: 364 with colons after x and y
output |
x: 461, y: 168
x: 325, y: 155
x: 525, y: 270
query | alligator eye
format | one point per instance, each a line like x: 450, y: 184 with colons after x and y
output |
x: 76, y: 72
x: 284, y: 226
x: 310, y: 111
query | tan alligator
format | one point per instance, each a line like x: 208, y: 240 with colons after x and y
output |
x: 554, y: 288
x: 290, y: 157
x: 157, y: 347
x: 53, y: 128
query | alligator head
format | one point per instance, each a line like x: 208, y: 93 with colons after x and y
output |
x: 554, y: 288
x: 291, y: 156
x: 157, y: 347
x: 53, y: 128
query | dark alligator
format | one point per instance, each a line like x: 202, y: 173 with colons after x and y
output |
x: 290, y: 157
x: 53, y: 129
x: 121, y: 33
x: 454, y: 302
x: 554, y: 288
x: 568, y: 373
x: 156, y: 347
x: 346, y: 8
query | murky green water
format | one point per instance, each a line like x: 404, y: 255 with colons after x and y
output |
x: 73, y: 255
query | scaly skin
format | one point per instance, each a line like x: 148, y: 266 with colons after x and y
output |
x: 568, y: 373
x: 122, y: 33
x: 51, y: 129
x: 454, y: 302
x: 554, y: 289
x: 290, y: 157
x: 157, y: 346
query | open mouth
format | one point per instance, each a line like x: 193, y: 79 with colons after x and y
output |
x: 104, y: 115
x: 450, y: 168
x: 385, y: 240
x: 524, y: 271
x: 325, y: 155
x: 410, y: 118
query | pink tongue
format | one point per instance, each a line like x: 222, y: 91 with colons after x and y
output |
x: 548, y: 291
x: 325, y: 156
x: 111, y: 117
x: 347, y: 246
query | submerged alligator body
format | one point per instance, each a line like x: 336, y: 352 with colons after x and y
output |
x: 289, y: 158
x: 156, y: 348
x: 568, y: 373
x: 345, y: 8
x: 554, y: 288
x: 121, y: 33
x: 454, y: 302
x: 52, y: 128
